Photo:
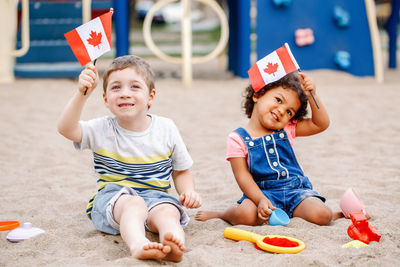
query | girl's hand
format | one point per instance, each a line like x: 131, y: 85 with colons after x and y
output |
x: 263, y: 209
x: 88, y: 79
x: 307, y: 83
x: 190, y: 199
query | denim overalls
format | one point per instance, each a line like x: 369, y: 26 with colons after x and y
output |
x: 276, y: 171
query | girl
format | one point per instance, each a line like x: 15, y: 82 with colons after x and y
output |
x: 262, y: 157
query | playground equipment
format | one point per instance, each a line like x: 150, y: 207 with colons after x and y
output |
x: 8, y: 29
x: 49, y: 55
x: 43, y: 51
x: 341, y: 35
x: 391, y: 28
x: 187, y: 59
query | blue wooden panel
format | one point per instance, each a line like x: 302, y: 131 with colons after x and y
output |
x: 277, y: 25
x: 46, y: 9
x: 48, y: 51
x: 50, y: 29
x: 43, y: 70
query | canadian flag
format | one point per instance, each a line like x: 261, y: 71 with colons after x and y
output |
x: 272, y: 67
x: 92, y: 39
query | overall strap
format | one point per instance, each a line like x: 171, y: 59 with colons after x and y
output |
x: 243, y: 134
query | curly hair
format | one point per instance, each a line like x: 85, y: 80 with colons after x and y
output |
x: 291, y: 82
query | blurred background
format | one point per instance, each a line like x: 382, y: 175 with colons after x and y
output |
x: 359, y: 37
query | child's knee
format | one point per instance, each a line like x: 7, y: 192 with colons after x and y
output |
x: 323, y: 215
x: 127, y: 204
x: 245, y: 216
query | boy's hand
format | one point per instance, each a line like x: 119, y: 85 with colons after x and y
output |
x: 307, y: 84
x: 190, y: 199
x: 263, y: 209
x: 88, y: 79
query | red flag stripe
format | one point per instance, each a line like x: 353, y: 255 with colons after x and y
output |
x: 106, y: 21
x: 257, y: 82
x: 79, y: 50
x: 286, y: 60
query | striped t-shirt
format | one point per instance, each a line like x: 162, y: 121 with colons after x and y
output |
x: 140, y: 160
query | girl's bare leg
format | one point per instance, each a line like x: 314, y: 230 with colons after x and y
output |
x: 131, y: 212
x: 312, y: 209
x: 165, y: 220
x: 244, y: 213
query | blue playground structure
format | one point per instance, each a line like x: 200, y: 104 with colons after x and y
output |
x: 330, y: 34
x: 49, y: 55
x: 391, y: 28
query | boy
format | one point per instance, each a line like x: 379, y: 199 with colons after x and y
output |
x: 135, y: 154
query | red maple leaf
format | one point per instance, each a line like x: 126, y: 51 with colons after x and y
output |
x: 95, y: 39
x: 271, y: 68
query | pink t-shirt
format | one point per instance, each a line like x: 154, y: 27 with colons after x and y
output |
x: 236, y: 148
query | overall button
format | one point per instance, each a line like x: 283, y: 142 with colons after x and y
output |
x: 283, y: 173
x: 268, y: 138
x: 271, y: 151
x: 251, y: 143
x: 275, y: 163
x: 247, y: 138
x: 281, y: 135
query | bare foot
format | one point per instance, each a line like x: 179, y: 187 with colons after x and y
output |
x: 337, y: 215
x: 176, y: 245
x: 152, y: 250
x: 204, y: 215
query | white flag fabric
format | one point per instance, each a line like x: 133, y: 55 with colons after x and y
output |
x: 272, y: 67
x: 92, y: 39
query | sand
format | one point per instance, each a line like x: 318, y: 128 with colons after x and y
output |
x: 45, y: 181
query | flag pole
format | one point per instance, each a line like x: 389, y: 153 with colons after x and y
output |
x: 314, y: 99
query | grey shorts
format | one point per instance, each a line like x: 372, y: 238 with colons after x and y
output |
x: 103, y: 205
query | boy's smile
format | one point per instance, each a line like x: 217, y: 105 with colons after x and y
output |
x: 129, y: 98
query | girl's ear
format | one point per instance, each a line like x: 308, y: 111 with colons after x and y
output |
x: 105, y: 99
x: 255, y: 99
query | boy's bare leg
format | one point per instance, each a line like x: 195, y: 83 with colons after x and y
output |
x: 165, y: 220
x: 244, y: 213
x: 131, y: 212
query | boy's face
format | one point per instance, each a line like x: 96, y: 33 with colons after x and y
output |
x: 127, y: 95
x: 276, y: 108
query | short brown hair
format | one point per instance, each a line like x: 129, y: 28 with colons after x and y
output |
x: 130, y: 61
x: 291, y: 82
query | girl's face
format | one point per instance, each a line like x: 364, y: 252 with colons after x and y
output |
x: 276, y: 108
x: 127, y: 95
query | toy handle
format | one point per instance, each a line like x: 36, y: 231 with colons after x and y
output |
x: 238, y: 235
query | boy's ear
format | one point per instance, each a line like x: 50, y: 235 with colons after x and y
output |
x: 152, y: 95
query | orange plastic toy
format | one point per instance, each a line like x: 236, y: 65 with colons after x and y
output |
x: 8, y: 225
x: 361, y: 230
